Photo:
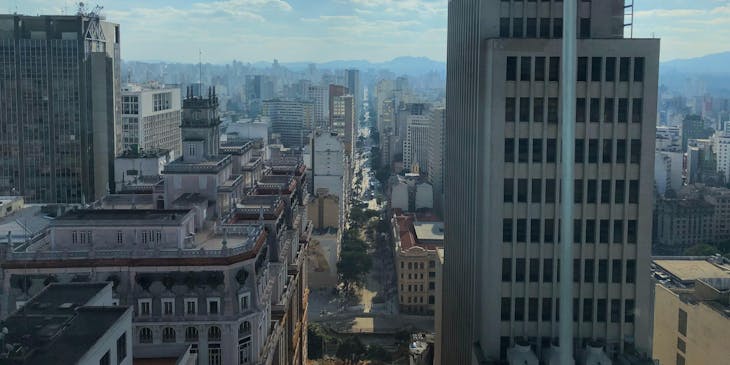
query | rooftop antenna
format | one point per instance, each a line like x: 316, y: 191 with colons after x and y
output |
x: 200, y: 67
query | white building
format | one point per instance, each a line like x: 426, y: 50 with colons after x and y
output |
x: 668, y: 138
x: 151, y: 119
x: 416, y: 144
x: 437, y: 143
x: 139, y: 168
x: 320, y: 96
x: 721, y: 144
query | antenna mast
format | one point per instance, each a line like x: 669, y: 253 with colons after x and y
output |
x: 200, y: 65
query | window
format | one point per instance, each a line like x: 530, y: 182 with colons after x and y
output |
x: 536, y: 190
x: 535, y: 231
x: 191, y: 334
x: 603, y: 230
x: 550, y: 190
x: 122, y: 347
x: 539, y: 65
x: 611, y: 69
x: 507, y: 230
x: 576, y: 270
x: 545, y: 27
x: 596, y: 68
x: 106, y: 359
x: 593, y: 150
x: 639, y: 69
x: 616, y: 271
x: 554, y: 68
x: 547, y: 309
x: 553, y: 110
x: 506, y: 309
x: 524, y: 109
x: 621, y: 151
x: 523, y: 150
x: 145, y: 335
x: 633, y: 191
x: 511, y: 68
x: 635, y: 151
x: 531, y: 28
x: 615, y: 310
x: 168, y: 334
x: 214, y: 333
x: 590, y: 231
x: 521, y: 234
x: 549, y: 233
x: 582, y: 69
x: 510, y: 106
x: 680, y: 359
x: 120, y: 237
x: 579, y: 150
x: 214, y: 354
x: 624, y: 68
x: 537, y: 150
x: 592, y: 191
x: 623, y: 110
x: 576, y: 309
x: 637, y: 108
x: 578, y: 191
x: 618, y: 231
x: 145, y: 307
x: 522, y: 190
x: 620, y: 192
x: 504, y: 27
x: 551, y: 150
x: 585, y: 27
x: 602, y: 271
x: 547, y: 271
x: 629, y: 311
x: 608, y: 110
x: 632, y: 231
x: 587, y: 310
x: 558, y: 28
x: 535, y: 270
x: 509, y: 150
x: 601, y: 310
x: 191, y: 306
x: 630, y: 271
x: 517, y: 31
x: 244, y: 302
x: 509, y: 190
x: 595, y: 111
x: 519, y: 309
x: 520, y: 270
x: 605, y: 191
x: 607, y: 151
x: 538, y: 109
x: 168, y: 306
x: 525, y: 68
x: 506, y: 269
x: 681, y: 345
x: 213, y: 306
x: 682, y: 323
x: 532, y: 309
x: 588, y: 269
x: 580, y: 110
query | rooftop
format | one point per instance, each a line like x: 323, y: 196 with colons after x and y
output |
x: 430, y: 231
x: 210, y: 164
x: 116, y: 216
x: 160, y: 354
x: 687, y: 270
x: 154, y: 153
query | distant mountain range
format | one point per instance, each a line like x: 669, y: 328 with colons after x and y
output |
x: 718, y: 63
x: 694, y: 76
x: 399, y: 65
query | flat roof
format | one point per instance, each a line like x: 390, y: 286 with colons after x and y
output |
x: 692, y: 269
x: 111, y: 216
x: 432, y: 231
x: 163, y: 351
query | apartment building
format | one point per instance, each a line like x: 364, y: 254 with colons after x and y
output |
x: 151, y: 119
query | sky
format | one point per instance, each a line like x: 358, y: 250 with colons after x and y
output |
x: 326, y: 30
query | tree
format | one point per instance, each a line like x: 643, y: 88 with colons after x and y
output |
x: 351, y: 348
x: 376, y: 352
x: 701, y: 249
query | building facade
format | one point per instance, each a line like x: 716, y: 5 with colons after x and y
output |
x: 352, y: 79
x: 151, y: 119
x: 437, y: 148
x: 292, y: 120
x: 334, y: 92
x: 416, y: 146
x: 503, y: 142
x: 61, y: 110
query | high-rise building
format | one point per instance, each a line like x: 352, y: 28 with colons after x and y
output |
x: 343, y: 121
x: 61, y: 107
x: 319, y: 95
x: 416, y: 146
x: 436, y: 152
x: 334, y: 91
x: 353, y: 85
x: 151, y: 119
x: 291, y: 119
x: 502, y: 147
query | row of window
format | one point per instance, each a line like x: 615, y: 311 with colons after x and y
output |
x: 625, y: 150
x: 601, y: 68
x: 585, y: 191
x: 418, y: 300
x: 600, y: 312
x: 590, y: 271
x: 414, y: 287
x: 596, y: 230
x: 529, y: 27
x: 214, y: 338
x: 190, y: 305
x: 594, y: 113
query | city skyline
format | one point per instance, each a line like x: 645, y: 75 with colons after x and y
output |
x: 329, y: 30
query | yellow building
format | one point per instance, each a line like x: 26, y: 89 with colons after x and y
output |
x: 10, y: 205
x: 691, y: 312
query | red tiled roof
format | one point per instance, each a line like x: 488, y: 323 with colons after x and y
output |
x: 407, y: 234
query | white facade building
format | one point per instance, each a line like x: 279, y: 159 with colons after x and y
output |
x: 437, y: 148
x: 416, y: 144
x: 668, y: 170
x: 320, y: 96
x: 151, y: 119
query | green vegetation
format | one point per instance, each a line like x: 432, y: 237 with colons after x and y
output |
x: 355, y: 263
x: 351, y: 348
x: 317, y: 338
x: 705, y: 249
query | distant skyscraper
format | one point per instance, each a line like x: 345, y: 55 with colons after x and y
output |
x: 151, y: 119
x: 60, y: 102
x: 437, y: 146
x: 353, y: 85
x: 416, y: 144
x: 343, y: 121
x: 291, y: 119
x: 502, y: 156
x: 319, y: 95
x: 334, y: 91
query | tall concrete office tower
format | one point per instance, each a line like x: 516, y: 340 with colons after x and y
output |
x: 501, y: 217
x: 60, y: 113
x: 353, y: 84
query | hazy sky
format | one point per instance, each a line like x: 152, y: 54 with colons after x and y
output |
x: 323, y: 30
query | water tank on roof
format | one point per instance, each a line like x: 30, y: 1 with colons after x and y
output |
x: 594, y: 355
x: 521, y: 354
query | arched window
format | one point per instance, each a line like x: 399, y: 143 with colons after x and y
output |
x: 168, y: 334
x: 191, y: 334
x: 244, y: 329
x: 145, y: 335
x: 214, y: 333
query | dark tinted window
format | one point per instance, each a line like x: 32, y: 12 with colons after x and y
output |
x: 610, y: 68
x: 537, y: 150
x: 507, y: 230
x: 524, y: 150
x: 580, y: 110
x: 509, y: 190
x: 531, y: 28
x: 504, y: 27
x: 551, y: 150
x: 510, y: 104
x: 524, y: 109
x: 525, y: 68
x: 595, y: 110
x: 517, y: 28
x: 511, y: 68
x: 538, y: 106
x: 639, y: 69
x: 509, y: 150
x: 608, y: 110
x: 624, y: 68
x: 539, y: 68
x: 554, y: 74
x: 506, y: 269
x: 582, y: 69
x: 637, y: 109
x: 596, y: 68
x: 553, y: 110
x: 545, y: 27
